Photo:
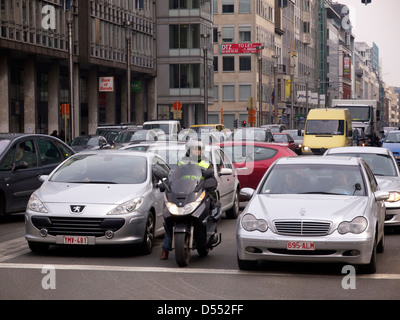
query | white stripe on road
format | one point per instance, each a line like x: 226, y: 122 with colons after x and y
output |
x: 380, y: 276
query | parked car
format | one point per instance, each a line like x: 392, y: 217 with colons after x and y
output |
x: 225, y: 173
x: 392, y: 142
x: 297, y: 135
x: 285, y: 140
x: 89, y: 141
x: 386, y: 171
x: 252, y: 134
x: 23, y: 157
x: 252, y: 159
x: 313, y: 209
x: 107, y: 197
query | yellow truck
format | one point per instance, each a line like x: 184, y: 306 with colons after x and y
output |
x: 327, y: 128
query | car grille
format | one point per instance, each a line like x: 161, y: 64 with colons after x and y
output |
x: 78, y: 226
x: 302, y: 228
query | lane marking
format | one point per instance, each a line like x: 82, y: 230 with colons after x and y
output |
x: 379, y: 276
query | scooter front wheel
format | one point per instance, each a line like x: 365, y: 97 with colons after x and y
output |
x: 182, y: 250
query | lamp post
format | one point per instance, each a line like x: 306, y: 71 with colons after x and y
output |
x: 127, y: 24
x: 205, y: 36
x: 307, y: 73
x: 70, y: 20
x: 260, y: 64
x: 275, y: 57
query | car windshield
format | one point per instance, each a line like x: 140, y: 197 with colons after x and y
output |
x: 392, y: 137
x: 3, y: 144
x: 250, y: 134
x: 281, y: 138
x: 330, y: 127
x: 102, y: 168
x: 314, y: 179
x: 380, y: 164
x: 185, y: 178
x: 162, y: 126
x: 85, y: 141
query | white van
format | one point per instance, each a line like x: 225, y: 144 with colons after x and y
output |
x: 170, y: 127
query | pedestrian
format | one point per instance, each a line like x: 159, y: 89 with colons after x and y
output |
x: 55, y: 134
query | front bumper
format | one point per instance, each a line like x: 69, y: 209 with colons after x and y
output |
x: 335, y: 248
x: 120, y: 230
x: 392, y: 218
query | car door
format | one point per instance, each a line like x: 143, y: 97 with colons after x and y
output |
x: 226, y: 182
x: 21, y: 174
x: 159, y: 170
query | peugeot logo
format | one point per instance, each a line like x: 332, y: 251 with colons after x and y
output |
x: 76, y: 208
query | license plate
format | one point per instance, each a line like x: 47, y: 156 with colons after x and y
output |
x: 300, y: 245
x: 75, y: 240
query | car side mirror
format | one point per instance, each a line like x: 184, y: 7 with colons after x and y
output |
x: 246, y: 193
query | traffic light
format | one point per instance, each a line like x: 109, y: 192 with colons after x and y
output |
x: 243, y: 123
x: 365, y: 1
x: 235, y: 123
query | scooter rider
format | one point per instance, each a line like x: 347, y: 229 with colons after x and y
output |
x: 195, y: 154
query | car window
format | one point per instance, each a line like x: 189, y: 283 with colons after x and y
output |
x: 49, y: 153
x: 160, y: 168
x: 64, y: 150
x: 26, y: 152
x: 7, y: 161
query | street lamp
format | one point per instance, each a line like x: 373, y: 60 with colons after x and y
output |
x: 275, y: 57
x: 205, y: 36
x: 127, y: 25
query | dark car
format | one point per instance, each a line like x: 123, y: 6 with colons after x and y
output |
x: 23, y: 158
x: 89, y: 141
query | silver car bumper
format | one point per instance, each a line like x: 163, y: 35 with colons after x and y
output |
x: 334, y: 248
x: 392, y: 215
x: 129, y: 230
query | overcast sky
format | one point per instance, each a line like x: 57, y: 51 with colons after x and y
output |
x: 379, y: 22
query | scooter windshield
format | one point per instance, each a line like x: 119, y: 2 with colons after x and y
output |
x: 185, y: 178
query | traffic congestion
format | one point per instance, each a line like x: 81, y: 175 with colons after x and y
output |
x: 294, y: 207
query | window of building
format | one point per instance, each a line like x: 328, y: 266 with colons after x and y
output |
x: 244, y: 6
x: 215, y: 63
x: 184, y: 36
x: 228, y: 6
x: 228, y: 63
x: 244, y: 92
x: 244, y: 63
x: 184, y: 76
x: 184, y: 4
x: 228, y: 92
x: 228, y: 34
x: 245, y: 34
x: 216, y: 92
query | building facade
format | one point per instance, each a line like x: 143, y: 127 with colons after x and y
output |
x: 35, y: 69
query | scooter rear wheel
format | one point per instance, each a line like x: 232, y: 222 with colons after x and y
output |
x: 182, y: 250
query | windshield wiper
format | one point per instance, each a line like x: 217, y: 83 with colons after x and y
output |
x: 94, y: 181
x: 316, y: 192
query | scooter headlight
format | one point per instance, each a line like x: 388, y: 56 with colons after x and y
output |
x: 187, y: 209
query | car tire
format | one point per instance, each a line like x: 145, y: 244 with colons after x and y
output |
x: 381, y: 245
x: 38, y: 247
x: 247, y: 264
x: 233, y: 212
x: 148, y: 238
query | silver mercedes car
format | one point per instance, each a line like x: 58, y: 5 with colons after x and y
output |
x: 384, y: 166
x: 107, y: 197
x: 313, y: 209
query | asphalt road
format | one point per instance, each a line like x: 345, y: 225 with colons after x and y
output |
x: 91, y: 273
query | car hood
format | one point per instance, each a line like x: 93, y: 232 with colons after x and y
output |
x: 57, y: 192
x: 388, y: 183
x: 307, y: 207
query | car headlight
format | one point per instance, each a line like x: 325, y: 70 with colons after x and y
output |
x: 187, y: 209
x: 251, y: 223
x: 127, y: 207
x: 394, y: 196
x: 306, y: 148
x: 356, y: 226
x: 36, y: 205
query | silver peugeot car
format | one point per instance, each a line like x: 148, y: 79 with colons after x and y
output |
x: 384, y: 166
x: 313, y: 209
x: 107, y: 197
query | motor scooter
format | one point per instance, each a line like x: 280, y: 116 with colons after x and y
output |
x: 190, y: 214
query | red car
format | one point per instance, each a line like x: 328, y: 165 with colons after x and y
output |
x: 285, y: 139
x: 252, y: 159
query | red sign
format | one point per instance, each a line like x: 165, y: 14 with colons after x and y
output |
x: 177, y: 105
x: 106, y: 84
x: 240, y: 48
x: 65, y: 109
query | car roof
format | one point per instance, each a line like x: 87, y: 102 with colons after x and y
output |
x: 339, y: 160
x: 117, y: 151
x: 250, y: 142
x: 358, y: 149
x: 13, y: 136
